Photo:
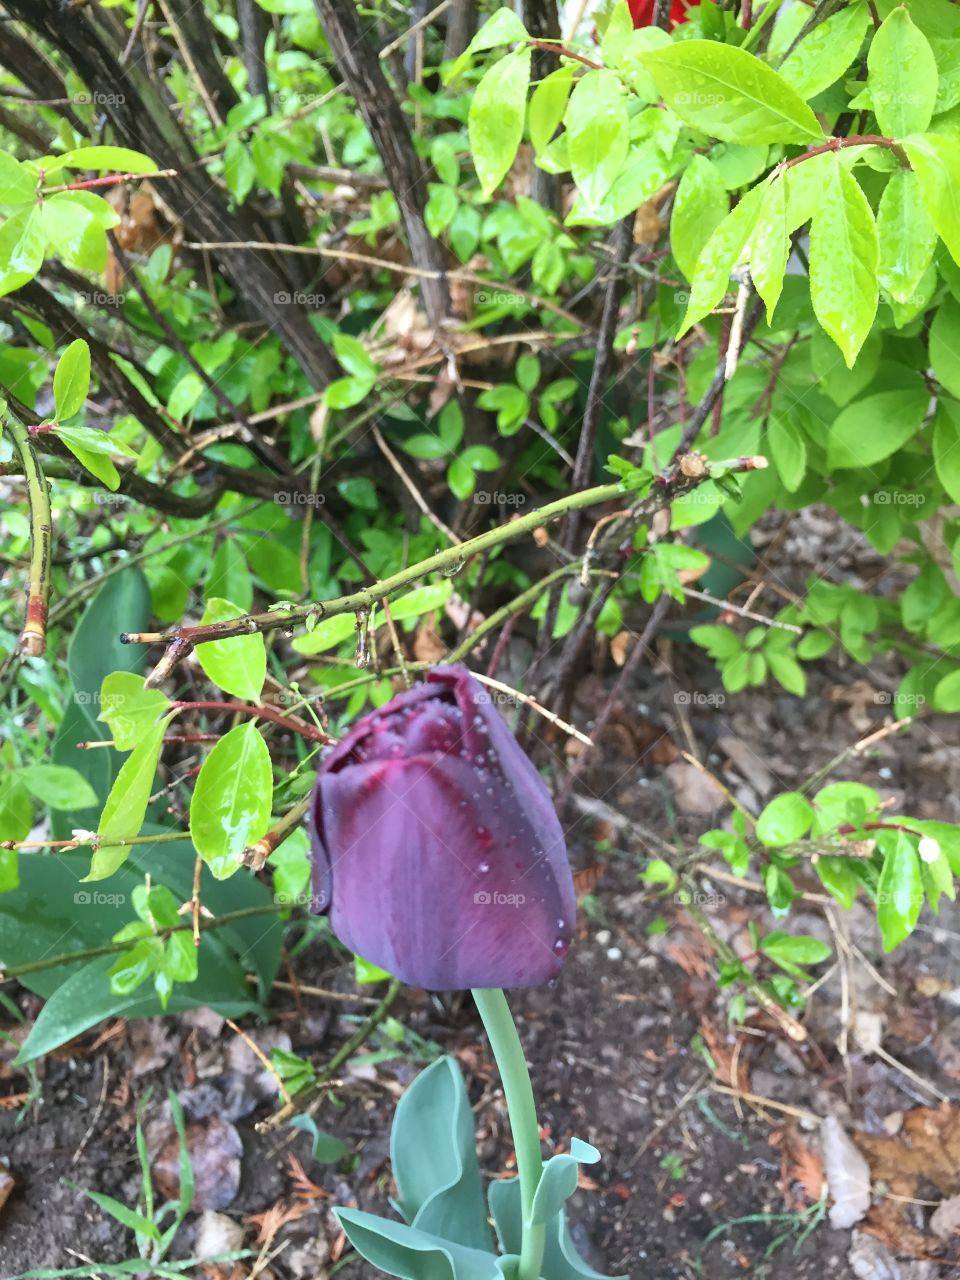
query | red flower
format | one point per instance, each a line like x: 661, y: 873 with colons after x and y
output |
x: 641, y: 11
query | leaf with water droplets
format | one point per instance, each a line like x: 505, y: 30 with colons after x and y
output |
x: 231, y: 802
x: 844, y: 253
x: 730, y: 94
x: 903, y: 76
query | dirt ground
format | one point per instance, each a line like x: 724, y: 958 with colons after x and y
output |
x: 630, y: 1050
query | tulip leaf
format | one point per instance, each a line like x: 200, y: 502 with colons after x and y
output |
x: 231, y: 802
x: 238, y: 665
x: 560, y: 1258
x: 559, y: 1180
x: 404, y: 1251
x: 433, y: 1152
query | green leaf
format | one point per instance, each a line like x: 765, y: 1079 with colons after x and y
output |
x: 327, y: 634
x: 18, y: 183
x: 326, y: 1147
x: 71, y: 382
x: 558, y: 1181
x: 237, y: 665
x: 902, y: 83
x: 936, y: 162
x: 434, y: 1158
x: 16, y: 811
x: 598, y: 133
x: 238, y: 169
x: 946, y: 695
x: 899, y: 892
x: 58, y: 786
x: 232, y: 799
x: 116, y: 1209
x: 547, y: 106
x: 496, y: 115
x: 79, y: 917
x: 844, y: 252
x: 787, y: 671
x: 785, y: 819
x: 944, y: 350
x: 788, y: 449
x: 126, y: 805
x: 821, y: 57
x: 9, y: 861
x: 440, y: 209
x: 782, y: 947
x: 128, y: 708
x: 229, y: 577
x: 21, y: 249
x: 344, y: 393
x: 839, y: 879
x: 906, y: 234
x: 107, y: 159
x: 770, y: 245
x: 700, y: 205
x: 946, y: 446
x: 869, y: 430
x: 403, y: 1251
x: 421, y: 600
x: 722, y: 252
x: 560, y: 1259
x: 503, y: 27
x: 730, y: 94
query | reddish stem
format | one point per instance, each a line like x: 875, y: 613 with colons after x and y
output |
x: 849, y: 828
x: 838, y: 144
x: 562, y: 52
x: 309, y: 731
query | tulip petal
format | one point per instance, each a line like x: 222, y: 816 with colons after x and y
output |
x: 439, y: 883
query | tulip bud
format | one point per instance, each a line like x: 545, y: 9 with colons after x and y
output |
x: 436, y: 846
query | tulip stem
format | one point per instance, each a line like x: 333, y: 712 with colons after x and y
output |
x: 522, y: 1110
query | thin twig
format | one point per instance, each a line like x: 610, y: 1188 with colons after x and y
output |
x: 33, y: 636
x: 411, y: 488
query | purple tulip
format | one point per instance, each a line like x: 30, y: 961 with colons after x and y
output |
x: 436, y: 845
